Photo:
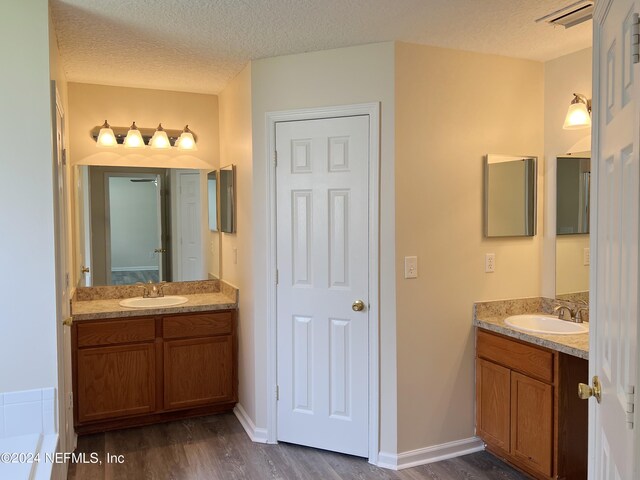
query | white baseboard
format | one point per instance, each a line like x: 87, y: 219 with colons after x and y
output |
x: 422, y: 456
x: 257, y: 435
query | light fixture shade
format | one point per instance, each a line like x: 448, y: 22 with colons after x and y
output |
x: 186, y: 141
x: 160, y: 139
x: 134, y: 138
x: 106, y: 137
x: 578, y: 115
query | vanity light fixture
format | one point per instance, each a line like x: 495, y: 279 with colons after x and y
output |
x: 160, y: 139
x: 106, y: 137
x: 139, y: 137
x: 579, y: 113
x: 186, y: 140
x: 134, y: 138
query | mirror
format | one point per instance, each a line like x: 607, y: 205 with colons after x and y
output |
x: 212, y: 196
x: 510, y: 196
x: 228, y: 199
x: 143, y: 224
x: 573, y: 185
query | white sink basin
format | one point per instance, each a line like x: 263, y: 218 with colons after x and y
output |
x: 141, y: 302
x: 545, y: 324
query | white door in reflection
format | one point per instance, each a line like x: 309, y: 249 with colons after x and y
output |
x: 134, y: 228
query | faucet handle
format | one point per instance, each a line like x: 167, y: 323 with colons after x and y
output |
x: 143, y: 286
x: 582, y: 315
x: 562, y: 310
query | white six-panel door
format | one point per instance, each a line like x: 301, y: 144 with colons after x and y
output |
x: 614, y: 302
x: 322, y: 183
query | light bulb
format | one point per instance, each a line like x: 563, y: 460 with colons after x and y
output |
x: 577, y: 114
x: 106, y: 137
x: 186, y: 141
x: 160, y: 139
x: 134, y: 138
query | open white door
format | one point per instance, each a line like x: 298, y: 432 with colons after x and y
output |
x: 613, y: 425
x: 190, y: 255
x: 65, y: 400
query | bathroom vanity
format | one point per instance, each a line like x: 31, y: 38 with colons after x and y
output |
x: 139, y: 366
x: 527, y: 409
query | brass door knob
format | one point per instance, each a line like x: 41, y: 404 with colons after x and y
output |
x: 585, y: 391
x: 84, y: 269
x: 357, y: 306
x: 67, y: 321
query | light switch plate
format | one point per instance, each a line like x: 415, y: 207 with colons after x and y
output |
x: 410, y: 267
x: 586, y: 256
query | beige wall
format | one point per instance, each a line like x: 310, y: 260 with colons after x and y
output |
x: 236, y: 148
x: 452, y: 108
x: 27, y: 284
x: 90, y: 105
x: 562, y: 77
x: 572, y: 275
x: 333, y: 77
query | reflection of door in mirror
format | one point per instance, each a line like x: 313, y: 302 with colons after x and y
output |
x: 129, y: 225
x: 573, y: 185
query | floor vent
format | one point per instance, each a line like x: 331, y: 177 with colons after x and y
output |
x: 570, y: 15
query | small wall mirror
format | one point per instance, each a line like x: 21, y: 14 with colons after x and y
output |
x: 212, y: 197
x: 228, y: 199
x: 510, y: 196
x: 572, y: 189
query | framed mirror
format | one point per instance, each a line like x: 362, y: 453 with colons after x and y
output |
x: 510, y: 184
x: 573, y: 184
x: 228, y: 199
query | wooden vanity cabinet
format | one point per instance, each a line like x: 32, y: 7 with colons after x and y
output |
x: 527, y: 409
x: 136, y: 371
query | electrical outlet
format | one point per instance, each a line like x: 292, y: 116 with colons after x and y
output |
x: 410, y: 267
x: 490, y: 263
x: 586, y: 256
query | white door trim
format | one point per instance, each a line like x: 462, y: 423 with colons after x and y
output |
x: 373, y: 111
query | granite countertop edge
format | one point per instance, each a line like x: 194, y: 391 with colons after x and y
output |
x: 106, y: 309
x: 553, y: 342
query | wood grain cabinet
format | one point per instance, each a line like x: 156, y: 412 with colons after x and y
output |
x: 527, y: 409
x: 136, y: 371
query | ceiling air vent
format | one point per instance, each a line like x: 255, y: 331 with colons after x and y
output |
x: 570, y: 15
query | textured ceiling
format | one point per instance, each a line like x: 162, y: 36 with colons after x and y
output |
x: 199, y: 45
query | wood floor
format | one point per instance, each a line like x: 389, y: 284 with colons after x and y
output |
x: 216, y: 447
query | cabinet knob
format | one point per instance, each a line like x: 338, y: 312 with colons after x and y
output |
x: 585, y: 391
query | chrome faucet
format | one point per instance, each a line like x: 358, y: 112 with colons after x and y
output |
x: 562, y: 311
x: 151, y: 290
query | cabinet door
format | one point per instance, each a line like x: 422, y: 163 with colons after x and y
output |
x: 493, y: 391
x: 198, y: 372
x: 116, y: 381
x: 532, y: 422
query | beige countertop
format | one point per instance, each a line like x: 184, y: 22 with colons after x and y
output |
x: 491, y: 316
x: 96, y: 303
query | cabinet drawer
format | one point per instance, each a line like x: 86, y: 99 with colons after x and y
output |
x: 197, y: 325
x: 523, y: 358
x: 114, y: 332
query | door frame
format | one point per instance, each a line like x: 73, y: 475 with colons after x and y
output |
x: 272, y: 118
x: 600, y: 13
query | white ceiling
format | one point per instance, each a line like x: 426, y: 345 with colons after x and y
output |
x: 199, y: 45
